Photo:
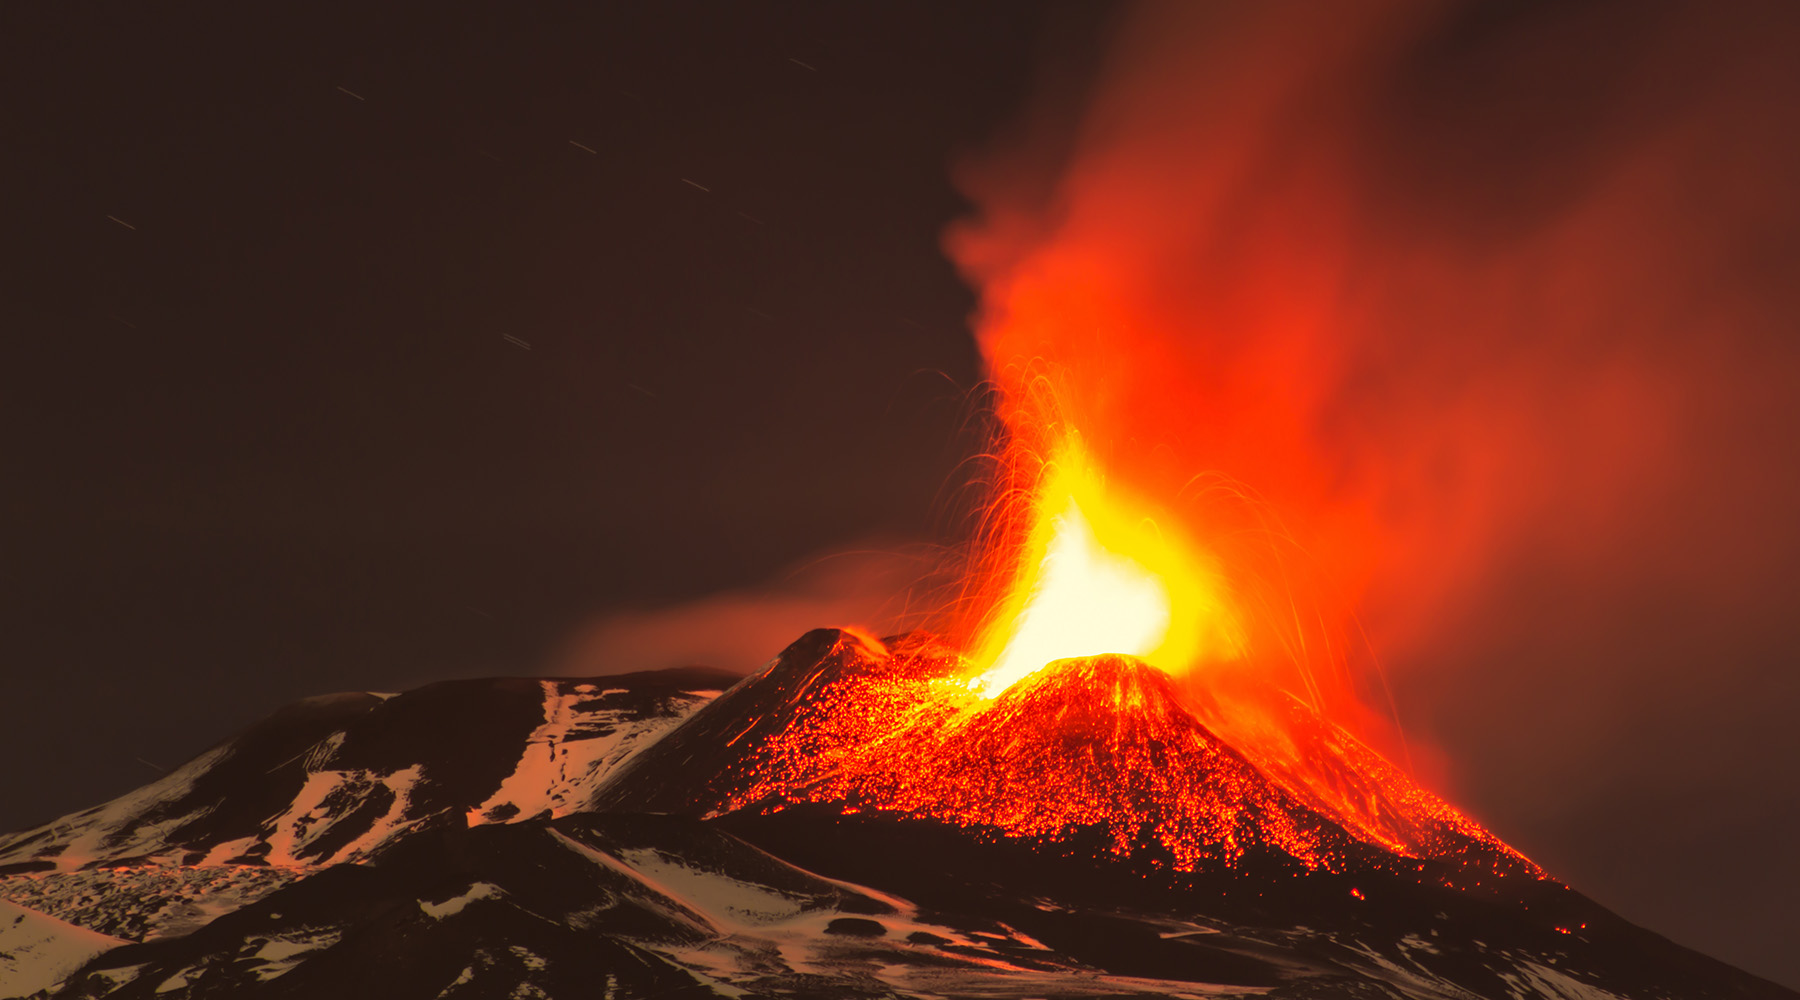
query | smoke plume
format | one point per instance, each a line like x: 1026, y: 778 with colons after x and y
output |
x: 1492, y: 309
x: 866, y: 588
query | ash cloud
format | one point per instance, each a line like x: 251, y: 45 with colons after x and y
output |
x: 1497, y: 306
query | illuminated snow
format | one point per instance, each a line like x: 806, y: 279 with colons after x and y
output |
x: 38, y: 951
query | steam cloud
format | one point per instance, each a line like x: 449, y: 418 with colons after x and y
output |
x: 741, y: 629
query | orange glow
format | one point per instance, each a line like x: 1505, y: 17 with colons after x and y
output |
x: 1100, y: 750
x: 1255, y: 385
x: 1099, y: 573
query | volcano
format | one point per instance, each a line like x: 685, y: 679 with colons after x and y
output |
x: 854, y: 820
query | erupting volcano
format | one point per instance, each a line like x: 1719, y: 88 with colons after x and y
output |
x: 1102, y: 796
x: 1098, y: 574
x: 859, y: 818
x: 1269, y: 373
x: 1116, y: 686
x: 1096, y: 749
x: 1075, y: 714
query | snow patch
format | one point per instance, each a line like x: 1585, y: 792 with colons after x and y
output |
x: 321, y: 753
x: 1531, y: 981
x: 115, y: 828
x: 279, y: 955
x: 327, y: 798
x: 722, y: 899
x: 671, y: 907
x: 580, y: 742
x: 1417, y: 943
x: 180, y: 980
x: 1416, y: 981
x: 146, y: 902
x: 530, y: 959
x: 455, y: 904
x: 37, y: 951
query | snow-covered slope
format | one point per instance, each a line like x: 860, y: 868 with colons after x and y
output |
x: 335, y: 779
x: 653, y: 906
x: 584, y: 838
x: 38, y: 951
x: 599, y: 906
x: 588, y: 731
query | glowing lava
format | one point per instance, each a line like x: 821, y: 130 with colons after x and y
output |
x: 1098, y: 754
x: 1100, y: 574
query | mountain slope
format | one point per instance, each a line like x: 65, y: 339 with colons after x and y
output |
x: 1097, y: 743
x: 335, y: 778
x: 851, y: 821
x: 38, y: 951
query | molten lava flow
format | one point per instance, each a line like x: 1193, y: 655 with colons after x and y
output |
x: 1099, y: 574
x: 1096, y: 754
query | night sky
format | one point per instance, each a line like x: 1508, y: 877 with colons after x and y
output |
x: 360, y: 346
x: 269, y: 437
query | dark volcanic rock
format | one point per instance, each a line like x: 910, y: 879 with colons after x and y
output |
x: 335, y: 778
x: 686, y: 771
x: 575, y: 838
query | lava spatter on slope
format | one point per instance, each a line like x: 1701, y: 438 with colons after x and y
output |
x: 854, y: 820
x: 1099, y: 744
x: 1096, y: 742
x: 1338, y: 775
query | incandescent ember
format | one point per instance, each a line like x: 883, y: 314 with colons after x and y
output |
x: 1094, y: 745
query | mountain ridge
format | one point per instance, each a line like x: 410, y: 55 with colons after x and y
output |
x: 649, y: 835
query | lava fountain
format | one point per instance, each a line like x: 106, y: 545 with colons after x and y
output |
x: 1154, y: 646
x: 1100, y: 572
